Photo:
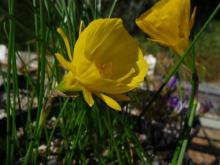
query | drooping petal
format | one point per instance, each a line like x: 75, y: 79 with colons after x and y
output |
x: 66, y: 41
x: 109, y: 101
x: 88, y: 96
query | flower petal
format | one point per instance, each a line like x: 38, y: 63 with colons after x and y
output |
x: 141, y: 69
x: 65, y: 39
x: 64, y: 63
x: 88, y: 96
x: 109, y: 101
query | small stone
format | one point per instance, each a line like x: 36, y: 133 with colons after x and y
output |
x: 105, y: 152
x: 20, y: 132
x: 42, y: 149
x: 142, y: 138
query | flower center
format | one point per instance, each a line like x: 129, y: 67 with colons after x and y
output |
x: 105, y: 69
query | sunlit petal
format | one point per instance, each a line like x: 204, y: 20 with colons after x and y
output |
x: 64, y: 63
x: 141, y: 68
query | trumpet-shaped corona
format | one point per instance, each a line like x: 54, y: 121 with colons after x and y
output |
x: 106, y: 62
x: 169, y: 23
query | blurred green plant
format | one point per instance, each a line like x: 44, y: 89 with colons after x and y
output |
x: 96, y: 135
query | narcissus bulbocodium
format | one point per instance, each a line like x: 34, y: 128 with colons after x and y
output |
x: 169, y: 23
x: 106, y: 62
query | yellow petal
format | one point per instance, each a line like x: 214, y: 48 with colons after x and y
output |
x: 88, y: 96
x: 65, y: 39
x: 141, y: 69
x: 180, y: 46
x: 108, y: 86
x: 109, y: 101
x: 64, y: 63
x: 184, y: 19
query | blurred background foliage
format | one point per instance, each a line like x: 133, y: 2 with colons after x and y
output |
x: 128, y: 10
x: 65, y: 16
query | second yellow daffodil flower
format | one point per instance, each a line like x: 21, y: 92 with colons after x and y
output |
x: 168, y: 23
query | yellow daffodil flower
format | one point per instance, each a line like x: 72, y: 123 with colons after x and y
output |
x: 106, y: 62
x: 169, y: 23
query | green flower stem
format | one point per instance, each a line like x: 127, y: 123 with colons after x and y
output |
x: 36, y: 136
x: 179, y: 153
x: 55, y: 125
x: 36, y: 28
x: 95, y: 13
x: 112, y: 8
x: 41, y: 71
x: 16, y: 100
x: 11, y: 54
x: 143, y: 155
x: 184, y: 137
x: 175, y: 68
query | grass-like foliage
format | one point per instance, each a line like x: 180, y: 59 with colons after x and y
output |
x: 71, y: 131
